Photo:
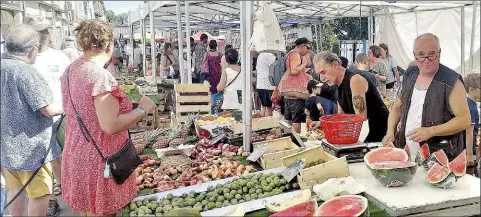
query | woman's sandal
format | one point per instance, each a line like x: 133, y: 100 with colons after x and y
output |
x: 57, y: 190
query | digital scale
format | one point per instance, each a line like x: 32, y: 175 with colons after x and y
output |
x: 353, y: 152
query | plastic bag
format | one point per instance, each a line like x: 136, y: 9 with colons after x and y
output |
x: 338, y: 186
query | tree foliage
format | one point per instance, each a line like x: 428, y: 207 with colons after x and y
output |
x: 346, y: 28
x: 116, y: 18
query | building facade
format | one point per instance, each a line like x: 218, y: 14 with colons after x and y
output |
x: 63, y: 16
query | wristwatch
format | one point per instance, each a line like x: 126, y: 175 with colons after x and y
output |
x: 141, y: 110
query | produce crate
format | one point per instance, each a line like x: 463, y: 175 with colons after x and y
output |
x: 148, y: 122
x: 237, y: 139
x: 278, y: 148
x: 333, y: 167
x: 262, y: 123
x: 191, y: 98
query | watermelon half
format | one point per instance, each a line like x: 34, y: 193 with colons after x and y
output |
x: 423, y: 155
x: 440, y: 176
x: 458, y: 165
x: 438, y: 157
x: 393, y: 173
x: 385, y: 154
x: 303, y: 209
x: 346, y: 205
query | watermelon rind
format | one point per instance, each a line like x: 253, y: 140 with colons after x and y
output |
x: 434, y: 158
x: 307, y: 208
x: 446, y: 181
x: 385, y: 154
x: 363, y: 206
x: 395, y: 176
x: 458, y: 165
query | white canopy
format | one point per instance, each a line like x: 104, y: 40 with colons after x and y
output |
x: 398, y: 31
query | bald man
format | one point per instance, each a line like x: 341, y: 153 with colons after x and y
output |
x: 432, y: 106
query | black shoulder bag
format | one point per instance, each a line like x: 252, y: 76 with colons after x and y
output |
x: 120, y: 164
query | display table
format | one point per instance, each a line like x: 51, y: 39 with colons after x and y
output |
x: 419, y: 198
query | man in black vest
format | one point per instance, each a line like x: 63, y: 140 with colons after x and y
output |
x: 431, y: 107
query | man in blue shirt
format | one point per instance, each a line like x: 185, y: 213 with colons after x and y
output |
x: 317, y: 106
x: 471, y: 83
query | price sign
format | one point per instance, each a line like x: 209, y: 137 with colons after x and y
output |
x: 217, y: 139
x: 292, y: 170
x: 258, y: 152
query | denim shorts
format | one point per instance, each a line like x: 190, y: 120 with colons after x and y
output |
x: 3, y: 199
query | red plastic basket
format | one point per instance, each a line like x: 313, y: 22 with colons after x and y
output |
x: 342, y: 129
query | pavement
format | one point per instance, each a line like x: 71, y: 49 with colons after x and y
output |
x: 64, y: 209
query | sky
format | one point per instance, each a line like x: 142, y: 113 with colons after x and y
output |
x: 122, y: 6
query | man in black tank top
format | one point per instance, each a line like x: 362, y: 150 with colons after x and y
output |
x: 356, y: 94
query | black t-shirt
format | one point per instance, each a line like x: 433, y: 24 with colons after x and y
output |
x: 314, y: 113
x: 329, y: 92
x: 377, y: 112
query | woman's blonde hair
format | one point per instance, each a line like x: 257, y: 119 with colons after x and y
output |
x: 472, y: 80
x: 362, y: 58
x: 94, y: 35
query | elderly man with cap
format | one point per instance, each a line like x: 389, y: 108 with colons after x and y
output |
x: 27, y: 115
x: 71, y: 50
x: 51, y: 64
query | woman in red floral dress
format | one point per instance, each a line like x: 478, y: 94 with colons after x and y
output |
x: 108, y: 115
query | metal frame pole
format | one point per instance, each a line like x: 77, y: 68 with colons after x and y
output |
x: 370, y: 28
x: 317, y: 37
x: 463, y: 24
x: 473, y: 34
x: 189, y: 54
x: 131, y: 39
x: 143, y: 40
x: 152, y: 46
x: 179, y: 38
x: 320, y: 35
x: 246, y: 32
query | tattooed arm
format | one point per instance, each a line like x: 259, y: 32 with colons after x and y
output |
x: 359, y: 89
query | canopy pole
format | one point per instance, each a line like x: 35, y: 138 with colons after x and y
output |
x: 152, y: 46
x: 189, y: 54
x: 473, y: 34
x: 246, y: 18
x: 143, y: 40
x: 317, y: 37
x: 463, y: 24
x: 320, y: 35
x: 131, y: 60
x: 179, y: 39
x: 370, y: 28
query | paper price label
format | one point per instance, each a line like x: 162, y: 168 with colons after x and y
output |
x: 258, y: 152
x: 292, y: 170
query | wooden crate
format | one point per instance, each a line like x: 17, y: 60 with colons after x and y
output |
x: 148, y: 122
x: 333, y: 167
x: 278, y: 148
x: 191, y: 98
x: 262, y: 123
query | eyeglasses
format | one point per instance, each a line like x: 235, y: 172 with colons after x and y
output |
x: 430, y: 57
x: 307, y: 46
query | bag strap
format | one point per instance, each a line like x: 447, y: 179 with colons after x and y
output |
x: 169, y: 59
x: 238, y: 73
x: 83, y: 128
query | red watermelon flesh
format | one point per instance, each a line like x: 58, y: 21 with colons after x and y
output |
x: 303, y: 209
x: 438, y: 157
x: 437, y: 173
x: 458, y: 165
x: 347, y: 205
x: 392, y: 164
x: 423, y: 153
x: 385, y: 154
